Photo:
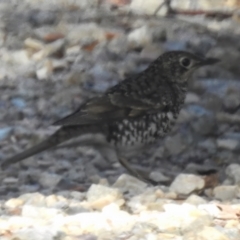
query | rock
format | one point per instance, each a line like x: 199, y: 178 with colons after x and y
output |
x: 151, y: 52
x: 100, y: 196
x: 187, y: 183
x: 34, y: 44
x: 212, y: 209
x: 126, y: 183
x: 192, y: 98
x: 142, y: 202
x: 49, y: 180
x: 38, y: 18
x: 231, y: 102
x: 205, y: 233
x: 77, y: 195
x: 195, y: 200
x: 159, y: 177
x: 175, y: 45
x: 118, y: 218
x: 14, y: 203
x: 148, y: 7
x: 43, y: 73
x: 39, y: 212
x: 36, y: 233
x: 233, y: 172
x: 205, y: 125
x: 175, y: 144
x: 34, y: 199
x: 178, y: 219
x: 140, y: 37
x: 118, y: 46
x: 229, y: 144
x: 83, y: 4
x: 19, y: 103
x: 21, y: 57
x: 85, y: 33
x: 10, y: 180
x: 208, y: 145
x: 225, y: 193
x: 54, y: 201
x: 5, y: 132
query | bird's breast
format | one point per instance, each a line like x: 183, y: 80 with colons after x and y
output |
x: 140, y: 131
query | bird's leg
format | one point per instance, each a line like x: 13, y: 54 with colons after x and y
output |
x: 141, y: 176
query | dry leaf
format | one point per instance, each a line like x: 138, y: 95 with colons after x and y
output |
x: 110, y: 35
x: 89, y: 47
x: 51, y: 37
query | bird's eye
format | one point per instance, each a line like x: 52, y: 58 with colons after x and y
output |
x: 185, y: 62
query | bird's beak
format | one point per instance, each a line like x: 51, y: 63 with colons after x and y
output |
x: 208, y: 61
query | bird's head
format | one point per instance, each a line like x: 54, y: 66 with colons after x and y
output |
x: 179, y: 65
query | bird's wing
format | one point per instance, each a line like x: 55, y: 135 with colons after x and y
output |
x: 110, y: 107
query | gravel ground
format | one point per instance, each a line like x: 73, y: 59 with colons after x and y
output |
x: 54, y: 55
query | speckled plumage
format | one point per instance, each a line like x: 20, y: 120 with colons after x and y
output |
x: 135, y: 112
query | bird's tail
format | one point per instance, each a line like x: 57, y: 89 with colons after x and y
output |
x: 60, y: 136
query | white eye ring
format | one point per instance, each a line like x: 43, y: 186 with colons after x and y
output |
x: 186, y: 62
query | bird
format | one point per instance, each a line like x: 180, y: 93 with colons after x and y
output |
x: 131, y: 115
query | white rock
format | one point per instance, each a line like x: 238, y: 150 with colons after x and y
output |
x: 84, y: 33
x: 233, y: 172
x: 217, y: 5
x: 10, y: 180
x: 225, y: 193
x: 229, y: 144
x: 33, y: 43
x: 36, y: 233
x: 205, y: 234
x: 49, y: 180
x: 14, y: 203
x: 39, y: 212
x: 187, y: 183
x: 195, y: 200
x: 140, y: 37
x: 43, y: 73
x: 85, y: 222
x: 100, y: 196
x: 146, y: 7
x: 21, y: 57
x: 127, y: 183
x: 34, y: 199
x: 211, y: 209
x: 118, y: 218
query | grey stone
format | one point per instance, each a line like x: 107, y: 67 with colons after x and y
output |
x: 229, y: 144
x: 4, y: 132
x: 128, y: 184
x: 34, y: 199
x: 195, y: 200
x: 175, y: 144
x: 187, y: 183
x: 205, y: 125
x: 225, y: 193
x: 233, y: 172
x: 49, y: 180
x: 159, y: 177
